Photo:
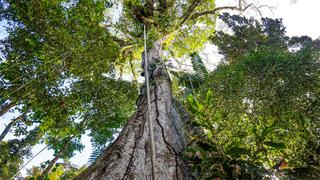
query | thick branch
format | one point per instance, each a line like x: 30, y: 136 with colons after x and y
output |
x: 6, y: 107
x: 190, y: 10
x: 121, y: 42
x: 191, y: 15
x: 139, y: 14
x: 214, y: 11
x: 8, y: 127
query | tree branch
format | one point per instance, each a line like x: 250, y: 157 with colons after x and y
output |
x: 214, y: 11
x: 6, y: 107
x: 263, y: 6
x: 163, y: 4
x: 8, y: 127
x: 53, y: 161
x: 62, y: 150
x: 190, y: 10
x: 191, y: 15
x: 120, y: 41
x: 139, y: 14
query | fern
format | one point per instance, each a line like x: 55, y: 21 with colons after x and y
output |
x: 198, y: 66
x: 97, y: 150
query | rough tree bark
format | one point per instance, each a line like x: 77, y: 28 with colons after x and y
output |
x: 129, y: 157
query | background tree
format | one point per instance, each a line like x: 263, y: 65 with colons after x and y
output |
x: 64, y: 170
x: 54, y: 54
x: 260, y: 106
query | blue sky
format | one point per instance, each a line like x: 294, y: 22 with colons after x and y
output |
x: 299, y: 16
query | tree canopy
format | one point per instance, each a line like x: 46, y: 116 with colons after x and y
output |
x: 58, y: 72
x: 260, y: 106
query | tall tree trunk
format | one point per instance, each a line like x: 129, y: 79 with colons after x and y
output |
x: 129, y: 157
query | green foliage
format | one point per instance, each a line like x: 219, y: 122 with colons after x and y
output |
x: 261, y: 104
x: 11, y: 157
x: 198, y: 65
x: 175, y: 22
x: 61, y: 58
x: 61, y: 171
x: 111, y: 102
x: 58, y: 71
x: 14, y: 151
x: 55, y: 175
x: 186, y: 82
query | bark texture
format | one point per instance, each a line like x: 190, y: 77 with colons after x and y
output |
x: 129, y: 157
